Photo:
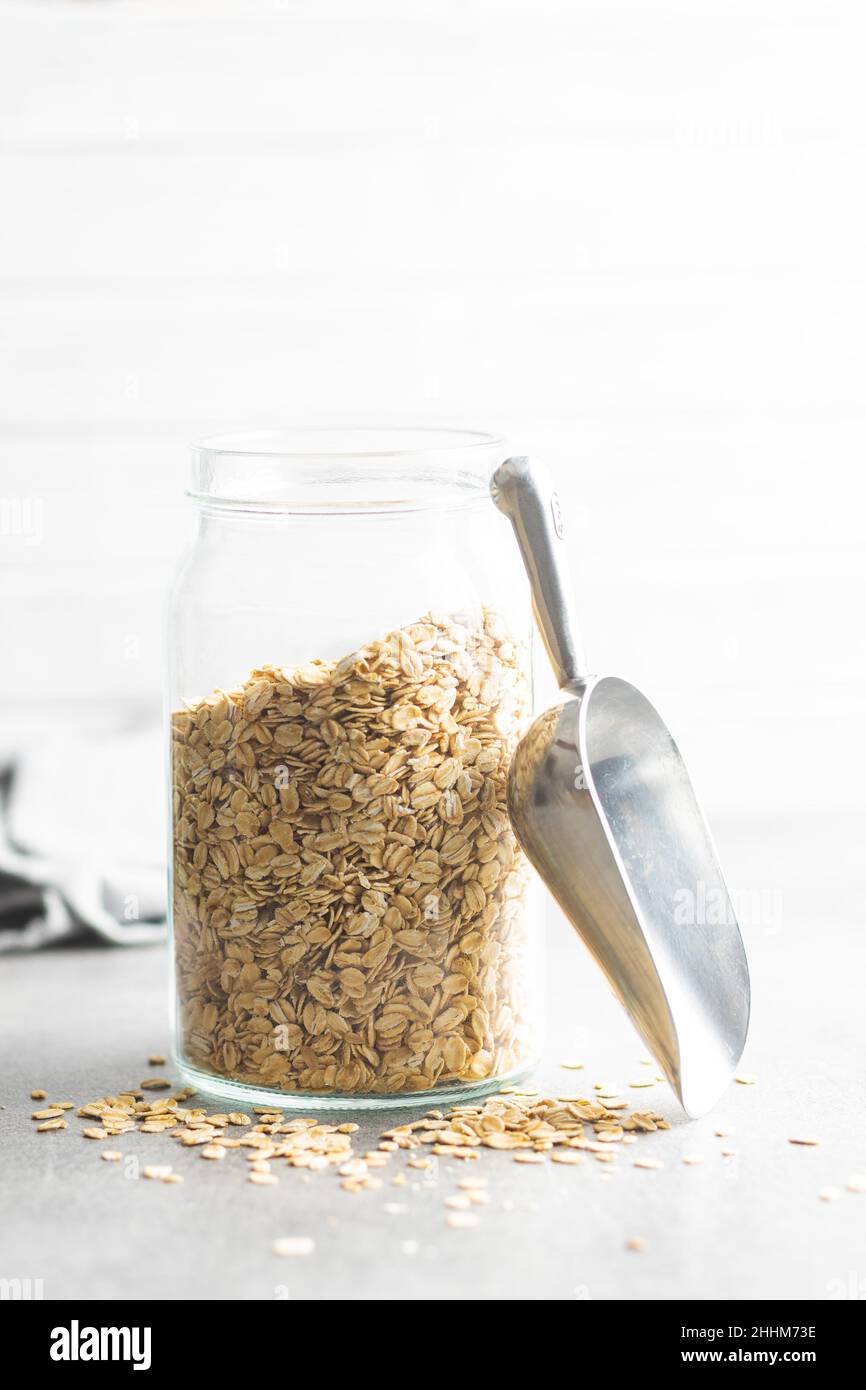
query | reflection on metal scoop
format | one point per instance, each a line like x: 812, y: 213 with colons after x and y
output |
x: 602, y: 804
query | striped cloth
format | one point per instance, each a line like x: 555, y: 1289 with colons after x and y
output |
x: 82, y: 836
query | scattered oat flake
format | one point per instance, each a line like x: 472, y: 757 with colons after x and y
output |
x: 461, y: 1220
x: 355, y: 1168
x: 172, y: 1178
x: 527, y: 1123
x: 459, y: 1201
x: 857, y: 1183
x: 156, y: 1059
x: 648, y: 1163
x: 692, y: 1159
x: 808, y: 1142
x: 53, y: 1112
x: 572, y: 1066
x: 155, y: 1083
x: 638, y: 1244
x: 829, y: 1194
x: 730, y: 1153
x: 722, y: 1133
x: 156, y: 1171
x: 38, y: 1095
x: 94, y: 1133
x: 287, y: 1247
x: 746, y: 1078
x: 111, y: 1155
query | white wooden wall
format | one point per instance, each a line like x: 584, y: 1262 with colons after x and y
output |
x: 629, y: 234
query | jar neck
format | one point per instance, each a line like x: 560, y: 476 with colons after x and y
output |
x: 352, y: 472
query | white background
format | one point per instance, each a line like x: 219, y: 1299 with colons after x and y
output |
x: 630, y: 235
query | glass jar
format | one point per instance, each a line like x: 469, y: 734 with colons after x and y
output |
x: 349, y: 671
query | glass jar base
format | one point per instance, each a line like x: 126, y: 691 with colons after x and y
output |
x: 309, y: 1101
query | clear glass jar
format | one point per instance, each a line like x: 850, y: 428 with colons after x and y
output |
x: 349, y: 671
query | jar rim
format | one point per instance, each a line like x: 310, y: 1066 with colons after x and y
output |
x: 431, y: 439
x: 363, y: 469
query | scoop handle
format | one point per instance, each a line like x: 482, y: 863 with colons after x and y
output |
x: 524, y: 493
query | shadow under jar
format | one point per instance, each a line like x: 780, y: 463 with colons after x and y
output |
x: 349, y: 673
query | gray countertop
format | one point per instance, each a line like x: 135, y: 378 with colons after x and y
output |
x: 80, y: 1023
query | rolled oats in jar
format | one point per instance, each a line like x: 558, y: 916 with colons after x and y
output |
x: 353, y: 920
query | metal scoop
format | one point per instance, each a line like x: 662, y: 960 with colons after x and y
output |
x: 602, y: 804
